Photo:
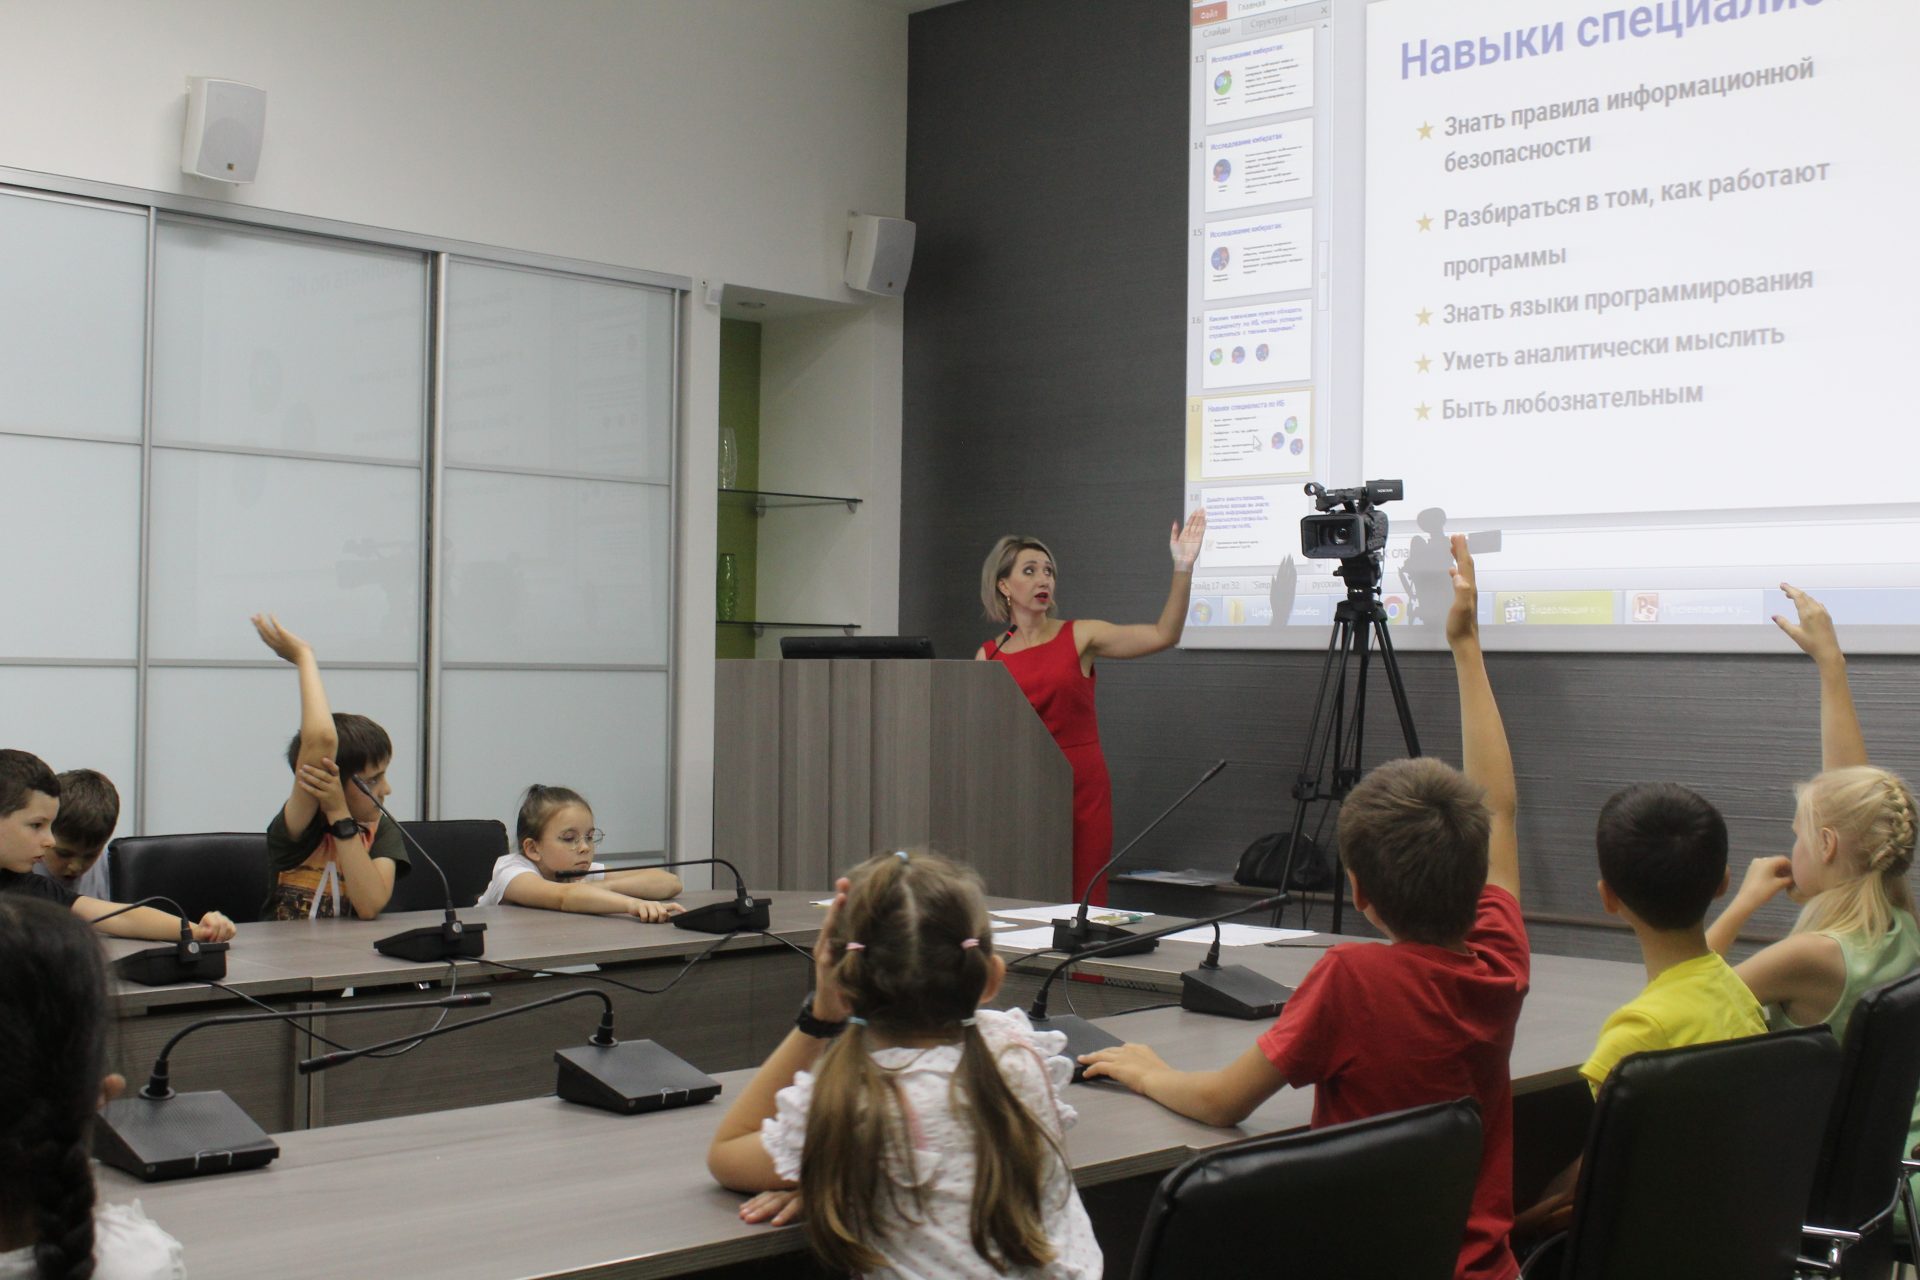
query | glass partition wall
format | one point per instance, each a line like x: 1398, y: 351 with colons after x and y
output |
x: 451, y: 473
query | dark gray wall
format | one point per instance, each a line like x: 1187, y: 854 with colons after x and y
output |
x: 1044, y: 394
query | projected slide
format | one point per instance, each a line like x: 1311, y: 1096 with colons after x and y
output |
x: 1639, y: 293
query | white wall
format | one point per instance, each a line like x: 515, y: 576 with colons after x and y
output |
x: 722, y: 140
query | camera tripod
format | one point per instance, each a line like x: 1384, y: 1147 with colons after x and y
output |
x: 1359, y: 628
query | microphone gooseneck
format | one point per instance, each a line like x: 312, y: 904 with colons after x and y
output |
x: 446, y: 886
x: 1038, y: 1011
x: 1080, y: 916
x: 602, y: 1036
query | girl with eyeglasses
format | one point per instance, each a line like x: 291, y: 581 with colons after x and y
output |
x: 553, y: 867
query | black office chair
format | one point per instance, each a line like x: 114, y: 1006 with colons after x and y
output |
x: 1860, y: 1174
x: 1309, y: 1204
x: 223, y: 871
x: 1699, y: 1162
x: 465, y: 848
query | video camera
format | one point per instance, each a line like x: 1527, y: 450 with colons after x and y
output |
x: 1347, y: 524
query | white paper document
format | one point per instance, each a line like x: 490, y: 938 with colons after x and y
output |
x: 1239, y: 935
x: 1047, y: 915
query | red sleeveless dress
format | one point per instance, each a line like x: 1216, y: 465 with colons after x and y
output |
x: 1049, y: 675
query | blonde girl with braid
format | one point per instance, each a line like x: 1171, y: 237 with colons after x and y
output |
x: 920, y: 1132
x: 1853, y: 845
x: 53, y: 1028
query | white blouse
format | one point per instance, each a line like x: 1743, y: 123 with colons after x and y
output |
x: 943, y: 1165
x: 127, y: 1245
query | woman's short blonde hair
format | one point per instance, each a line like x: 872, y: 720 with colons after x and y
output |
x: 999, y: 566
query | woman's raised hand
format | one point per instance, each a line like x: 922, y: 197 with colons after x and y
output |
x: 1185, y: 544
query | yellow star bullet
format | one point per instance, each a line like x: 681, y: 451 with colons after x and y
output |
x: 1421, y: 410
x: 1422, y: 363
x: 1426, y: 223
x: 1423, y: 315
x: 1426, y: 131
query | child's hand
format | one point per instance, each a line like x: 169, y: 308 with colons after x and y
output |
x: 652, y: 912
x: 213, y: 927
x: 1814, y: 631
x: 1185, y: 544
x: 1130, y: 1064
x: 322, y: 782
x: 279, y: 639
x: 1463, y: 619
x: 775, y: 1208
x: 1765, y: 878
x: 829, y: 1004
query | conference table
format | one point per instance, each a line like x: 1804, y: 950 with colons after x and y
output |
x: 450, y: 1162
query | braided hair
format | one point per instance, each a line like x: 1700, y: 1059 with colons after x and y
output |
x: 1871, y: 813
x: 52, y: 1058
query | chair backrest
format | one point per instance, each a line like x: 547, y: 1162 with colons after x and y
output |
x: 1309, y: 1204
x: 465, y: 848
x: 1859, y: 1167
x: 1699, y: 1160
x: 223, y: 871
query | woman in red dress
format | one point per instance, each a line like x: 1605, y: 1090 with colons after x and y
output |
x: 1052, y: 661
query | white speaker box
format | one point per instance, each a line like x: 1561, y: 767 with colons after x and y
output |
x: 879, y: 252
x: 226, y: 121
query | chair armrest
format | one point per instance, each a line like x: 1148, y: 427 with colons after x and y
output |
x: 1837, y: 1241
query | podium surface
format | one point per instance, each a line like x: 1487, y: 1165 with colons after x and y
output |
x: 820, y: 764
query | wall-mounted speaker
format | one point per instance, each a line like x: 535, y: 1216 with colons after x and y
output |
x: 226, y: 121
x: 879, y: 252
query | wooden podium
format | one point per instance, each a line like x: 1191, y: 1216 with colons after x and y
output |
x: 818, y: 765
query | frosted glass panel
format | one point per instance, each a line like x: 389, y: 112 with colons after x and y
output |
x: 275, y: 343
x: 217, y: 741
x: 70, y: 518
x: 546, y: 570
x: 557, y: 373
x: 74, y: 281
x: 333, y: 548
x: 602, y: 733
x: 74, y: 718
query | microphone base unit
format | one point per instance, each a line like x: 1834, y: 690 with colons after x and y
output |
x: 751, y: 915
x: 188, y: 1135
x: 1082, y: 1037
x: 1076, y: 935
x: 1232, y: 991
x: 630, y: 1078
x: 165, y: 966
x: 431, y: 944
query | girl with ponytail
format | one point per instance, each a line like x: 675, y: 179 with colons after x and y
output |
x: 1853, y: 830
x: 920, y: 1132
x: 52, y: 1078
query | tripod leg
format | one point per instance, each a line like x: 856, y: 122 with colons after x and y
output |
x: 1328, y: 704
x: 1392, y: 664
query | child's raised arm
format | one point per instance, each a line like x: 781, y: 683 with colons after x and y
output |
x: 1841, y: 743
x: 1484, y: 756
x: 318, y: 739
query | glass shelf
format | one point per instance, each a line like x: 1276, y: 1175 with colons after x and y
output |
x: 764, y: 500
x: 760, y: 625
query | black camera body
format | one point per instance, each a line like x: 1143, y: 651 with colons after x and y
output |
x: 1347, y: 523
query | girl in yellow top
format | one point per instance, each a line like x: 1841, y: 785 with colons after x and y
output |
x: 1853, y: 845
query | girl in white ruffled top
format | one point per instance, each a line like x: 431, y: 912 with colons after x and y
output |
x: 918, y: 1134
x: 52, y: 1077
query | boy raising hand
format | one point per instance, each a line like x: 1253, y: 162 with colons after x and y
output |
x: 1433, y: 861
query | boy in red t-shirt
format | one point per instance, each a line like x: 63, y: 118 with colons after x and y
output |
x: 1432, y: 858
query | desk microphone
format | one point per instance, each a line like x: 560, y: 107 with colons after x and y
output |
x: 158, y: 1134
x: 1231, y: 991
x: 626, y: 1078
x: 182, y: 961
x: 1082, y: 1035
x: 451, y: 939
x: 745, y: 914
x: 1076, y: 935
x: 1001, y: 643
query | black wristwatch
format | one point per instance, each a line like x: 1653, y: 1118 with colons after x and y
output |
x: 345, y: 829
x: 818, y: 1028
